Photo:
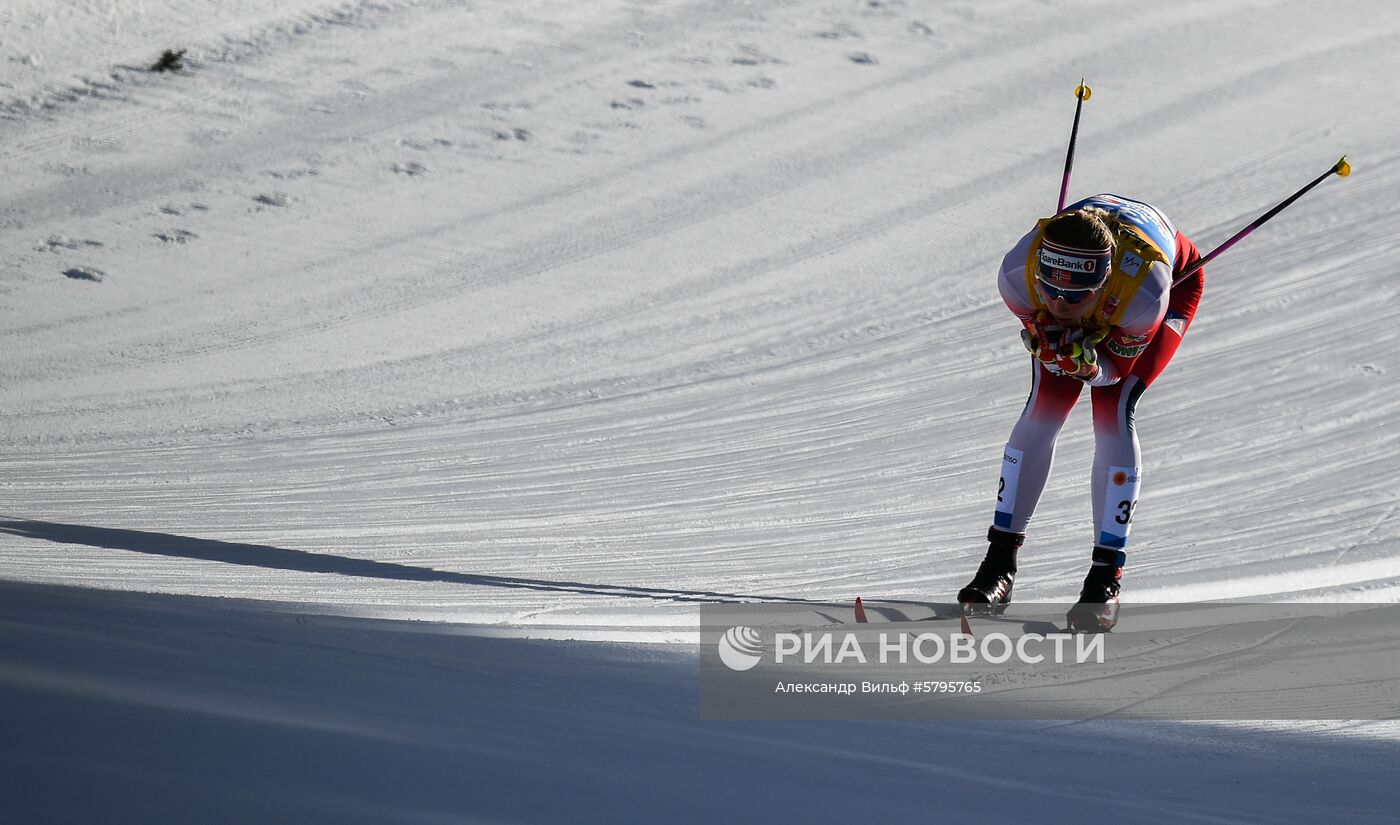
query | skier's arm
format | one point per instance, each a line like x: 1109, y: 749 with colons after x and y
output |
x: 1117, y: 353
x: 1011, y: 281
x: 1119, y: 350
x: 1040, y: 335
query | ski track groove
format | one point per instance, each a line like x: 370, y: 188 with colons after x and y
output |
x: 748, y: 458
x: 870, y: 229
x: 851, y: 156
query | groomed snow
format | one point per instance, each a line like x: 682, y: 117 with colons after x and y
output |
x: 557, y: 320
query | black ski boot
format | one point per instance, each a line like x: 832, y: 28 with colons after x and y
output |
x: 990, y: 590
x: 1097, y: 610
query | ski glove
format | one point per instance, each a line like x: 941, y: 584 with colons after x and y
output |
x: 1080, y: 359
x: 1062, y: 351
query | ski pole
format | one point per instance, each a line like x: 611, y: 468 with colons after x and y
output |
x: 1341, y: 169
x: 1081, y: 92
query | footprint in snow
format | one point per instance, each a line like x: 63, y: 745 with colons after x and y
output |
x: 170, y: 209
x: 411, y: 169
x: 85, y: 274
x: 425, y: 145
x: 754, y: 56
x: 97, y: 145
x: 176, y: 236
x: 840, y: 31
x: 57, y: 242
x: 291, y: 174
x: 863, y: 58
x: 67, y: 170
x: 273, y: 199
x: 208, y: 136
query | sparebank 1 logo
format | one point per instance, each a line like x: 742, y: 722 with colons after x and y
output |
x: 740, y: 648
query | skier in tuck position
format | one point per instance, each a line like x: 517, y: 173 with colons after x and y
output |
x: 1093, y: 289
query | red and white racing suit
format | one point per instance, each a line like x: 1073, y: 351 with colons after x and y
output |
x: 1138, y: 345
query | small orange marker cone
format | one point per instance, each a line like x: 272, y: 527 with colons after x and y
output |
x: 860, y: 611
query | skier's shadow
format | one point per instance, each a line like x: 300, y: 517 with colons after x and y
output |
x: 281, y: 558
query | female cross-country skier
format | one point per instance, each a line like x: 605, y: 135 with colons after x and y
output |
x: 1093, y: 287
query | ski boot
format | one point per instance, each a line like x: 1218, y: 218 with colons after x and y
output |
x: 1097, y: 610
x: 990, y: 590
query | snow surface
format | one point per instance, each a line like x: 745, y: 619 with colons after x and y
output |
x: 556, y: 320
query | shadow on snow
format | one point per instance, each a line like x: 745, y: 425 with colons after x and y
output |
x: 302, y: 561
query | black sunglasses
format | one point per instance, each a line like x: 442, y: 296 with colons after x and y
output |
x: 1069, y: 296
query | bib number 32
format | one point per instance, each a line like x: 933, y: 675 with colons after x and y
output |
x: 1120, y: 502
